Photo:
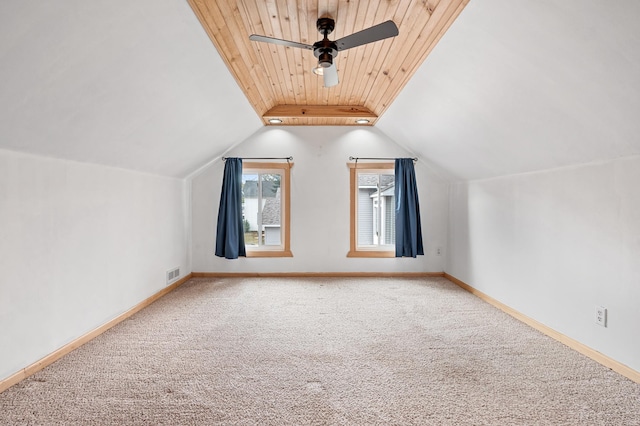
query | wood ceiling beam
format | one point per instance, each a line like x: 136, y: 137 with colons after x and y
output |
x: 319, y: 111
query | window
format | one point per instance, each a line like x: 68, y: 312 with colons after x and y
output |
x: 265, y: 209
x: 373, y: 220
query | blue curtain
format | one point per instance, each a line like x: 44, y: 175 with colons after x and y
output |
x: 230, y: 231
x: 408, y: 228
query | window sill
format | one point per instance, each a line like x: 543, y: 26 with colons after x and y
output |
x: 269, y: 253
x: 371, y: 253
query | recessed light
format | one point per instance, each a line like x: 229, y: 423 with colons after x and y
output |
x: 275, y: 121
x: 362, y: 121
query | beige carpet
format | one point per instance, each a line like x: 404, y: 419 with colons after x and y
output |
x: 319, y: 351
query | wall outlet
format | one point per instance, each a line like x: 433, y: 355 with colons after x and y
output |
x: 601, y: 316
x: 438, y: 251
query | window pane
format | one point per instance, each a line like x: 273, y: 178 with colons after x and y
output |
x: 388, y: 218
x: 271, y: 210
x: 250, y: 208
x: 367, y: 186
x: 375, y: 209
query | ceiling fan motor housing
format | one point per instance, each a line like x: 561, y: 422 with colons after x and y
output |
x: 325, y: 50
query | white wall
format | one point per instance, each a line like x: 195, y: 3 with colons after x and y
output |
x: 553, y: 245
x: 319, y: 203
x: 79, y: 245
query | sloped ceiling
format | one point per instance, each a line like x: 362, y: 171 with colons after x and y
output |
x: 513, y: 86
x: 121, y: 83
x: 519, y: 86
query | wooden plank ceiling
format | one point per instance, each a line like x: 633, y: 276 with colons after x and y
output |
x: 278, y: 80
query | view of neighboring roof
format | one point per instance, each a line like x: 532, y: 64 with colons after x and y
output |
x: 271, y: 210
x: 269, y: 189
x: 370, y: 179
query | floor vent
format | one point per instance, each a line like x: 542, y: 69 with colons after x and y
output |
x: 172, y: 275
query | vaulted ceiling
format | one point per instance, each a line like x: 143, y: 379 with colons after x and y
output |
x: 278, y: 80
x: 522, y: 86
x: 511, y: 87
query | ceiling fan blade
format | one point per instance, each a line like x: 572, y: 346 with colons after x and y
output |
x: 330, y: 76
x: 265, y: 39
x: 377, y: 32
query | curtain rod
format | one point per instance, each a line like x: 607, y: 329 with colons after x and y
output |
x: 375, y: 158
x: 262, y: 158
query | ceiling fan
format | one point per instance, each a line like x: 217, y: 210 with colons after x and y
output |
x: 326, y: 50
